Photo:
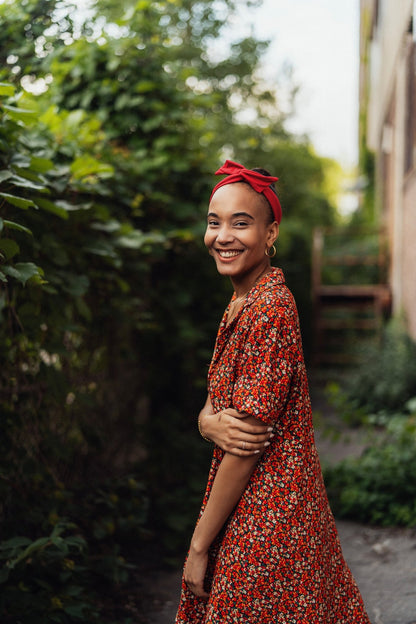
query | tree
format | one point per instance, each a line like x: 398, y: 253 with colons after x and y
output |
x: 110, y: 305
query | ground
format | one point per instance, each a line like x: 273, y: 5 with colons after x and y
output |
x: 382, y: 560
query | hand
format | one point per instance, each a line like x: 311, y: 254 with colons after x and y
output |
x: 236, y: 432
x: 194, y: 573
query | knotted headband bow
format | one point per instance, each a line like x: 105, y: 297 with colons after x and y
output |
x: 259, y: 182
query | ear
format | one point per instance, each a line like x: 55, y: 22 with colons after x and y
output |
x: 272, y: 233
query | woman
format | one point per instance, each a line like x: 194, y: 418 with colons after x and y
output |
x: 265, y: 548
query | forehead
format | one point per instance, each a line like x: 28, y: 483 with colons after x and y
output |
x: 236, y: 197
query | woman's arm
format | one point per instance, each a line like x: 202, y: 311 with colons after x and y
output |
x: 233, y: 431
x: 230, y: 482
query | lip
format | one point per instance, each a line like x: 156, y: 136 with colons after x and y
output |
x: 234, y: 254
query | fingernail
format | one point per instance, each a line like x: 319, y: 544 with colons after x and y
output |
x: 255, y: 452
x: 269, y: 429
x: 266, y: 443
x: 271, y: 435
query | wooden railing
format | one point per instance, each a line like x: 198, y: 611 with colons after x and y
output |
x: 350, y: 293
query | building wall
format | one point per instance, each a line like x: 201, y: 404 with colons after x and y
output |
x: 390, y: 24
x: 388, y: 93
x: 409, y: 254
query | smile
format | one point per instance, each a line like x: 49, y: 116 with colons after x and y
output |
x: 228, y: 253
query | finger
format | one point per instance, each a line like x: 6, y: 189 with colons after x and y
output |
x: 258, y: 440
x: 240, y: 453
x: 255, y: 440
x: 233, y: 412
x: 254, y: 429
x: 241, y: 425
x: 247, y: 451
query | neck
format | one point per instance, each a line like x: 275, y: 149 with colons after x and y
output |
x: 241, y: 287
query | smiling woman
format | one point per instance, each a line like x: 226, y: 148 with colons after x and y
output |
x: 239, y: 236
x: 265, y: 549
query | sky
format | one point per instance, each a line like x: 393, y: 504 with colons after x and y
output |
x: 320, y: 39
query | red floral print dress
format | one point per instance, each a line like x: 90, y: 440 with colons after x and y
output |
x: 278, y: 559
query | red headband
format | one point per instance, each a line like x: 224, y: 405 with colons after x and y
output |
x: 259, y: 182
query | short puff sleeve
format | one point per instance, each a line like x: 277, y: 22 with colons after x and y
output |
x: 266, y: 365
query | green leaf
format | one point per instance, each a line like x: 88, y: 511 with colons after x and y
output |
x: 11, y: 272
x: 8, y: 248
x: 87, y: 165
x: 15, y: 542
x: 23, y: 181
x: 110, y: 226
x: 137, y: 239
x: 52, y: 207
x: 3, y: 278
x: 19, y: 202
x: 23, y: 271
x: 5, y: 175
x: 19, y: 114
x: 38, y: 544
x: 101, y: 248
x: 145, y: 85
x: 6, y: 89
x: 12, y: 225
x: 76, y: 611
x: 76, y: 285
x: 41, y: 165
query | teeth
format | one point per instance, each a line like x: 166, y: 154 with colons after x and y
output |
x: 228, y: 254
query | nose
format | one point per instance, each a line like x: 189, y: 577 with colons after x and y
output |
x: 224, y: 234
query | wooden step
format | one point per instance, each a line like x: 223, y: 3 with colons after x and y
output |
x: 368, y: 324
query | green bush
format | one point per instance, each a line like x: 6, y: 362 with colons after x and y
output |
x: 45, y: 576
x: 109, y: 303
x: 380, y: 486
x: 78, y: 568
x: 387, y: 377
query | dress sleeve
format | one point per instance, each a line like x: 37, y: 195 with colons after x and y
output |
x: 267, y: 362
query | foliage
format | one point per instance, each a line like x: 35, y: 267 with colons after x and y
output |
x: 77, y: 571
x: 379, y: 487
x: 384, y: 382
x: 109, y: 305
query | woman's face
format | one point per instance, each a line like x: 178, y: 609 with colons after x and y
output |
x: 238, y: 231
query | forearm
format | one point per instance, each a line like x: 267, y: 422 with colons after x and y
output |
x: 230, y: 482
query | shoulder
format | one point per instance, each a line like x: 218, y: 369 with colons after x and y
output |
x: 273, y: 299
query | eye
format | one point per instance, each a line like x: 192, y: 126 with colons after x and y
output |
x: 212, y: 222
x: 240, y: 224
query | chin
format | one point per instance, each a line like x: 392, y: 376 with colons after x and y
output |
x: 224, y: 270
x: 228, y: 271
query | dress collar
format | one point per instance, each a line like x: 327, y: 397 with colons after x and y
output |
x: 273, y: 277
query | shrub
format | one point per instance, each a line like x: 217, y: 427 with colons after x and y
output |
x: 379, y: 487
x: 387, y: 377
x: 80, y: 568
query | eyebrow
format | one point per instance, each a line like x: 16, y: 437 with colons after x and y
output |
x: 235, y: 214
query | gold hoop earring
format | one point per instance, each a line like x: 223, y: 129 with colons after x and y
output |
x: 271, y: 249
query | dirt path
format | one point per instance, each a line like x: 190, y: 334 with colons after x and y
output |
x: 383, y: 562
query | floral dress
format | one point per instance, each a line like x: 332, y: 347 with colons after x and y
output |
x: 278, y: 558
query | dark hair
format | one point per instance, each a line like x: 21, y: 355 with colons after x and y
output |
x: 273, y: 188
